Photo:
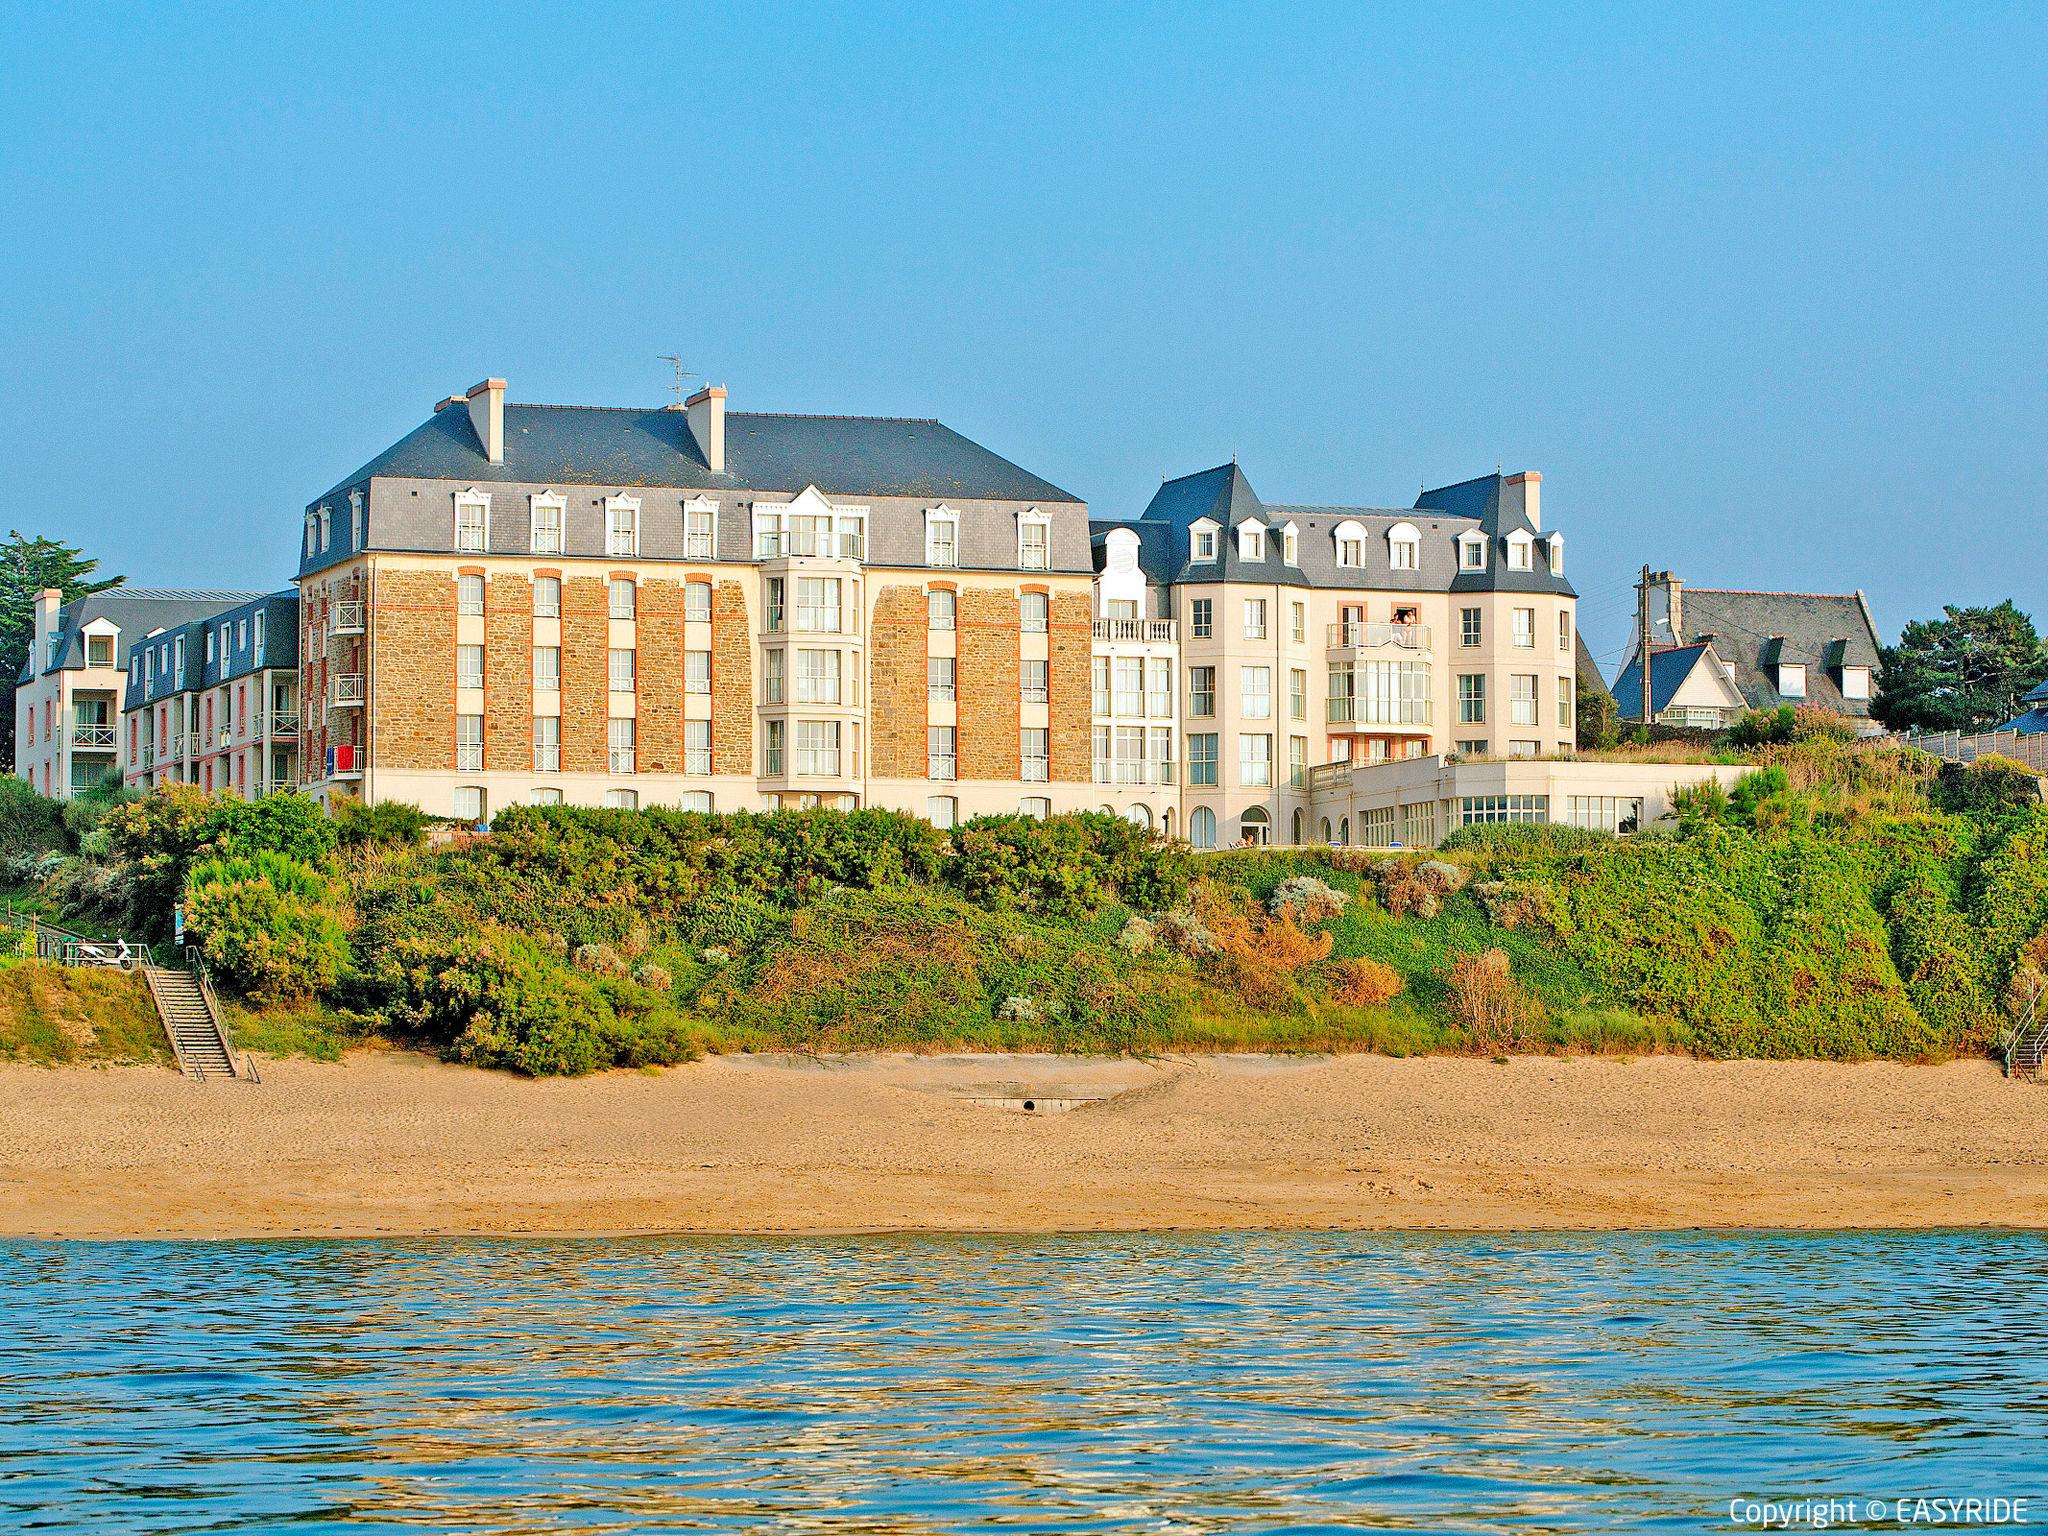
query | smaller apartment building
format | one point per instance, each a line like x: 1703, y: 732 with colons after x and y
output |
x: 215, y: 702
x: 69, y: 735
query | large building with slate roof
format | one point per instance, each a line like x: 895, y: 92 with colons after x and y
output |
x: 1750, y: 650
x: 693, y: 607
x: 1315, y: 636
x: 67, y: 707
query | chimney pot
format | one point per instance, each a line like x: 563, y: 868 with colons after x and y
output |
x: 1524, y: 494
x: 487, y: 417
x: 705, y: 413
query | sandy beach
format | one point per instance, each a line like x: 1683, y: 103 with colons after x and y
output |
x: 397, y: 1143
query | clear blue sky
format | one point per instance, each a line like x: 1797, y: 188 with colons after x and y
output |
x: 1761, y: 294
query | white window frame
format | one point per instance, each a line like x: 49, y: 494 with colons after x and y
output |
x: 771, y: 530
x: 1522, y: 628
x: 934, y: 519
x: 1861, y: 692
x: 697, y: 747
x: 1471, y: 551
x: 554, y: 612
x: 464, y: 676
x: 473, y: 500
x: 463, y: 579
x: 1404, y: 547
x: 547, y: 755
x: 613, y: 506
x: 1251, y: 541
x: 699, y: 506
x: 697, y: 674
x: 691, y: 612
x: 355, y: 519
x: 1041, y: 522
x: 1348, y: 540
x: 1556, y: 554
x: 1290, y: 545
x: 549, y: 680
x: 1255, y: 606
x: 326, y: 522
x: 1202, y: 546
x: 613, y: 585
x: 1790, y: 672
x: 547, y: 501
x: 1521, y: 551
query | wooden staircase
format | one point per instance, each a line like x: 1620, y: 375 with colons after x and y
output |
x: 191, y: 1018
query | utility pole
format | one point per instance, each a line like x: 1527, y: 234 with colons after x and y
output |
x: 1643, y: 638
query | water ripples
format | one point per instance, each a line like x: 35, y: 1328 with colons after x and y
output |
x: 1114, y: 1383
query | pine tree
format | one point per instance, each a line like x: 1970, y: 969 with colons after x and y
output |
x: 29, y: 566
x: 1964, y: 671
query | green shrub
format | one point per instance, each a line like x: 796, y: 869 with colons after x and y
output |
x: 1762, y: 726
x: 30, y: 822
x: 386, y: 824
x: 1988, y: 789
x: 159, y: 836
x: 265, y: 924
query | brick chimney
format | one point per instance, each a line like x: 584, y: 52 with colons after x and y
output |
x: 1523, y: 493
x: 487, y: 416
x: 705, y: 412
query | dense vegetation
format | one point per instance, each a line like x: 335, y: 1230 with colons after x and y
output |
x: 1844, y: 900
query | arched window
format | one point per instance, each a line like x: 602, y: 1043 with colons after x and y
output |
x: 1166, y: 822
x: 1139, y: 816
x: 1404, y: 547
x: 1254, y: 826
x: 1349, y: 537
x: 1344, y: 833
x: 1300, y: 820
x: 1202, y: 827
x: 1326, y: 829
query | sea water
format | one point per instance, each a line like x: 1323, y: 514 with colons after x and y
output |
x: 1087, y: 1383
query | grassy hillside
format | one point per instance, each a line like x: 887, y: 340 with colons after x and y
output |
x: 54, y: 1016
x: 1844, y: 900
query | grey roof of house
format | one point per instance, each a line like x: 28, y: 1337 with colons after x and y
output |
x: 1225, y: 496
x: 134, y: 611
x: 1756, y: 631
x: 280, y: 612
x: 2038, y: 694
x: 1590, y: 680
x: 1669, y: 668
x: 633, y: 446
x: 2033, y: 723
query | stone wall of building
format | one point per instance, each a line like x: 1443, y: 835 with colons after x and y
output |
x: 986, y: 683
x: 1070, y: 647
x: 508, y: 673
x: 732, y: 681
x: 659, y: 670
x: 412, y: 691
x: 899, y: 706
x: 586, y: 673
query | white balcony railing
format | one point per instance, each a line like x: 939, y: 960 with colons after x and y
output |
x: 938, y: 766
x: 1357, y: 635
x: 345, y: 619
x: 278, y: 722
x: 1131, y: 771
x: 1151, y: 631
x: 93, y: 738
x: 1343, y: 711
x: 345, y: 690
x: 620, y: 759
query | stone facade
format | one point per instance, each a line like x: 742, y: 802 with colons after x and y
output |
x: 659, y: 674
x: 508, y: 673
x: 412, y: 696
x: 1072, y: 651
x: 586, y: 673
x: 732, y: 681
x: 900, y: 706
x: 987, y: 685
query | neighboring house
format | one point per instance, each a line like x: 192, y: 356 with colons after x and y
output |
x: 215, y: 702
x: 68, y: 708
x: 1690, y: 685
x: 2034, y: 722
x: 1773, y: 648
x: 1313, y: 634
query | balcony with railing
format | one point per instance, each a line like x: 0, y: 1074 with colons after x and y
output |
x: 1119, y: 770
x: 345, y: 690
x: 345, y: 619
x: 1143, y: 631
x: 89, y: 737
x: 1388, y: 712
x: 1356, y: 635
x: 277, y: 722
x: 345, y: 762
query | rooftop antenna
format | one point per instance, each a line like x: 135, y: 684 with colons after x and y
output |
x: 675, y: 361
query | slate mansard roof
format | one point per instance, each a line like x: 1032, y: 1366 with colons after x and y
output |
x: 1756, y: 632
x: 1224, y: 496
x: 237, y: 658
x: 632, y: 449
x: 134, y: 611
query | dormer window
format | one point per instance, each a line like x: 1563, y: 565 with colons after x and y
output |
x: 1856, y: 683
x: 942, y: 536
x: 1034, y: 541
x: 312, y: 533
x: 1251, y: 543
x: 472, y: 521
x: 1290, y: 545
x: 700, y: 528
x: 621, y: 526
x: 1472, y: 552
x: 1521, y: 552
x: 1557, y: 554
x: 1404, y: 547
x: 1792, y: 679
x: 1202, y: 543
x: 355, y: 519
x: 1349, y: 537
